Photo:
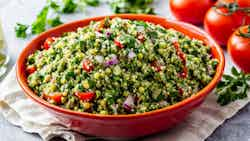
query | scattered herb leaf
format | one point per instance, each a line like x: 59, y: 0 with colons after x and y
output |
x: 69, y: 6
x: 20, y: 30
x: 39, y: 25
x: 55, y: 21
x: 232, y: 87
x: 91, y: 2
x: 132, y: 6
x: 52, y: 4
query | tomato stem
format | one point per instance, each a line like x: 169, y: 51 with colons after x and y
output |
x: 245, y: 35
x: 231, y: 7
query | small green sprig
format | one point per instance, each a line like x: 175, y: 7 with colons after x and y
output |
x: 39, y: 25
x: 232, y: 87
x: 55, y: 21
x: 20, y: 30
x: 132, y: 6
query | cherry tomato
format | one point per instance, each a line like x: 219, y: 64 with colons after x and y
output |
x: 31, y: 69
x: 87, y: 65
x: 192, y: 11
x: 48, y: 42
x: 220, y: 23
x: 239, y: 48
x: 56, y: 97
x: 85, y: 96
x: 118, y: 43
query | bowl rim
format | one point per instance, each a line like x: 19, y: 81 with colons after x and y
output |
x: 203, y: 92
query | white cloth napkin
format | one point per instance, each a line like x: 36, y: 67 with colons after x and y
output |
x: 23, y: 112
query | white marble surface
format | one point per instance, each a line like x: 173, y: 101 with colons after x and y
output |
x: 235, y: 129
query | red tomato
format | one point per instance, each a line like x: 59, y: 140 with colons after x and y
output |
x: 85, y: 96
x: 192, y: 11
x: 87, y: 65
x: 118, y: 44
x: 239, y: 48
x: 221, y: 26
x: 56, y: 97
x: 48, y: 42
x: 31, y: 69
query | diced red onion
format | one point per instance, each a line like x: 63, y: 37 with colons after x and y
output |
x: 99, y: 58
x: 108, y: 34
x: 163, y: 103
x: 98, y: 34
x: 131, y: 54
x: 112, y: 61
x: 129, y: 103
x: 114, y: 107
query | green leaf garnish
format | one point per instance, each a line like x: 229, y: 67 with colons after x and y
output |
x: 55, y: 21
x: 20, y: 30
x: 132, y: 6
x: 232, y: 87
x: 91, y: 2
x: 69, y: 6
x: 52, y: 4
x: 39, y: 25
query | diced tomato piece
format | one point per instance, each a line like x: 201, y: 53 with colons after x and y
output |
x: 85, y: 96
x: 87, y: 65
x: 180, y: 91
x: 56, y: 97
x: 184, y: 72
x: 118, y: 44
x: 48, y: 42
x: 156, y: 66
x: 31, y: 69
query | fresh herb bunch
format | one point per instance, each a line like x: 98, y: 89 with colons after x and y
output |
x: 233, y: 87
x: 42, y: 20
x: 132, y: 6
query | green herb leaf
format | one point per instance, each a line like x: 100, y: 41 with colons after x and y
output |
x: 69, y: 6
x: 20, y: 30
x: 52, y: 4
x: 55, y: 21
x: 232, y: 87
x: 132, y: 6
x: 92, y: 2
x: 234, y: 71
x: 39, y: 25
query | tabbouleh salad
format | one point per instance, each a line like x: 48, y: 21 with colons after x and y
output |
x: 119, y: 66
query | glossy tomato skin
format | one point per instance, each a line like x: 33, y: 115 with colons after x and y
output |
x: 191, y: 11
x: 239, y: 50
x: 220, y: 27
x: 48, y: 42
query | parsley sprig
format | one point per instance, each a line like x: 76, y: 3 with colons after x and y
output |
x: 132, y: 6
x: 42, y: 21
x: 233, y: 87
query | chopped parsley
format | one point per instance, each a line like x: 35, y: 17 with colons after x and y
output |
x: 20, y: 30
x: 39, y: 25
x: 132, y: 6
x: 55, y: 21
x: 69, y: 6
x: 233, y: 87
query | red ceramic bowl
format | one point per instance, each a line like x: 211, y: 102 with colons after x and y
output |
x: 123, y: 126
